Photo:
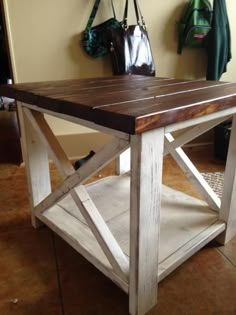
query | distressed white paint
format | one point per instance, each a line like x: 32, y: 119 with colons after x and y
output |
x: 146, y: 178
x: 82, y: 122
x: 35, y: 156
x: 101, y: 232
x: 228, y: 208
x: 50, y: 141
x: 81, y: 239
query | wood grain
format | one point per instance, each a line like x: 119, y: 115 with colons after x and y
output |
x: 36, y: 160
x: 47, y: 137
x: 227, y: 211
x: 102, y: 233
x: 131, y: 104
x: 145, y: 206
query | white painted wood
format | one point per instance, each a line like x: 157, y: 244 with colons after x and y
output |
x: 193, y: 174
x: 182, y: 216
x: 195, y: 132
x: 50, y: 141
x: 181, y: 239
x: 177, y: 258
x: 36, y: 160
x: 123, y: 163
x: 93, y: 165
x: 81, y: 239
x: 111, y: 196
x: 82, y: 122
x: 146, y: 174
x: 101, y: 232
x: 199, y: 120
x: 186, y: 224
x: 228, y: 208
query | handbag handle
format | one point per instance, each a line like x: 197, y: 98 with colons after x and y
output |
x: 138, y: 14
x: 94, y: 12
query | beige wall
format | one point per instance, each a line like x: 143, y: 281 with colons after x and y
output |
x: 45, y: 39
x: 45, y: 42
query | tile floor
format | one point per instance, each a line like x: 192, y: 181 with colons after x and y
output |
x: 41, y: 275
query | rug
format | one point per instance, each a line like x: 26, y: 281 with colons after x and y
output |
x: 216, y: 181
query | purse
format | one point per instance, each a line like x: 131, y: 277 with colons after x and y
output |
x: 97, y: 40
x: 130, y: 48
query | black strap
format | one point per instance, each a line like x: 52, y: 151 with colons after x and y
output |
x: 113, y: 9
x: 94, y: 12
x: 142, y: 18
x: 137, y: 13
x: 125, y: 22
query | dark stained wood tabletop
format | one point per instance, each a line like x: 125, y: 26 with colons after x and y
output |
x: 132, y: 104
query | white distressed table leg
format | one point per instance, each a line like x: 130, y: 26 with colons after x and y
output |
x: 146, y: 178
x: 36, y: 161
x: 123, y: 163
x: 228, y: 207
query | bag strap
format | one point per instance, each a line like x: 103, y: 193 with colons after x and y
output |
x: 92, y: 15
x: 137, y: 13
x: 113, y: 9
x: 94, y: 12
x: 140, y: 14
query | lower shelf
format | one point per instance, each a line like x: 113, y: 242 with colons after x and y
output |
x: 187, y: 224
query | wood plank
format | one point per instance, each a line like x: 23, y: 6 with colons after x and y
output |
x: 130, y: 92
x: 111, y: 189
x: 228, y: 207
x: 86, y: 82
x: 146, y: 177
x: 104, y: 85
x: 85, y: 123
x: 186, y: 223
x: 176, y: 98
x: 111, y: 97
x: 143, y: 115
x: 101, y: 232
x: 35, y: 156
x: 193, y: 174
x: 50, y: 141
x: 182, y: 217
x: 191, y: 247
x: 199, y: 120
x: 145, y: 109
x: 114, y: 88
x: 81, y: 239
x: 61, y: 86
x: 162, y: 111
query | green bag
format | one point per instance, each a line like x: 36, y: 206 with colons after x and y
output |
x: 194, y: 24
x: 97, y: 40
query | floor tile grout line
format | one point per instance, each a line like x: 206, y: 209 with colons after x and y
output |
x: 234, y: 265
x: 57, y: 273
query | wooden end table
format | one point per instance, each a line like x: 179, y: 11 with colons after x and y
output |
x: 131, y: 227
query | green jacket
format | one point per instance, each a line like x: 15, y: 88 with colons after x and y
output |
x: 218, y: 42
